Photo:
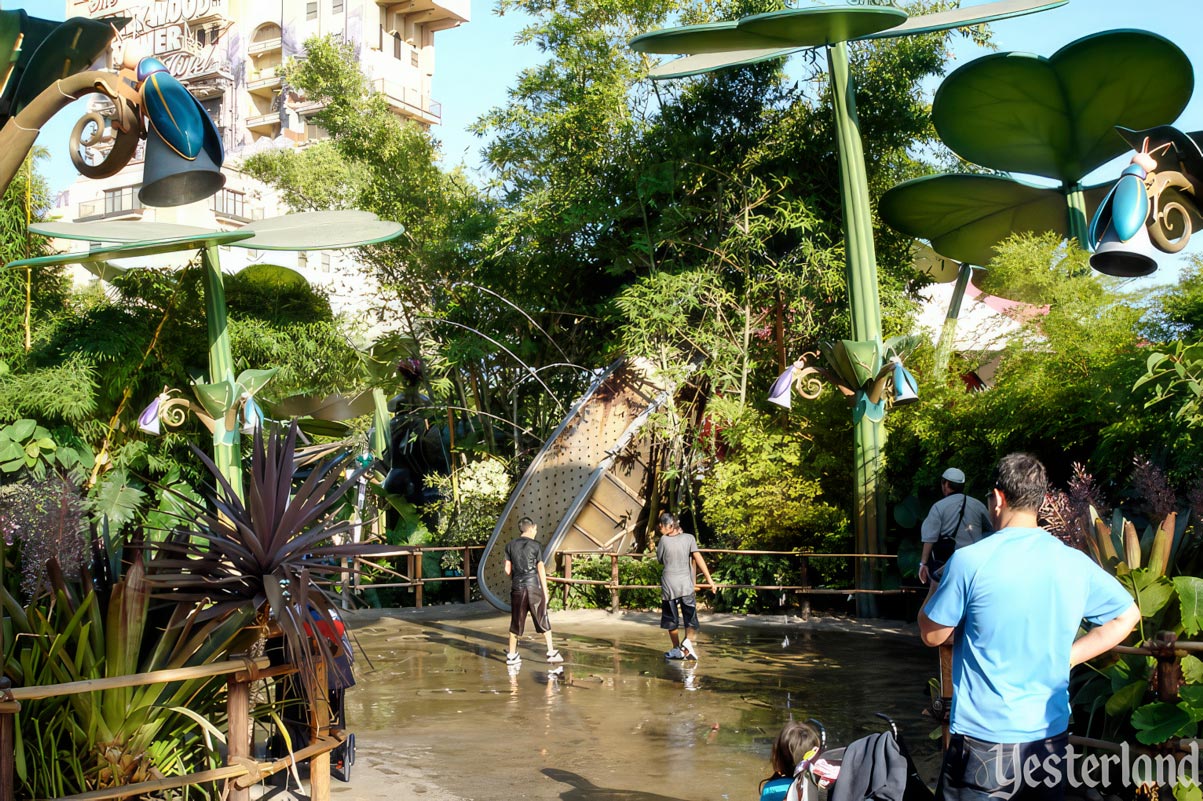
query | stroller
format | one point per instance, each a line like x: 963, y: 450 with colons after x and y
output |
x: 877, y: 767
x: 294, y: 713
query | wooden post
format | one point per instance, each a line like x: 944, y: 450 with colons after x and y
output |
x: 417, y: 578
x: 804, y: 580
x: 8, y: 712
x: 238, y: 714
x: 467, y: 574
x: 613, y: 582
x: 945, y: 692
x: 567, y: 577
x: 319, y: 766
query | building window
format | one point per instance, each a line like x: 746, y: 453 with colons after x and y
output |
x: 229, y: 203
x: 336, y: 6
x: 325, y: 262
x: 311, y: 9
x: 413, y: 57
x: 314, y: 132
x: 120, y: 201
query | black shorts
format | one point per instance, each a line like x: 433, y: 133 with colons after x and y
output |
x: 528, y: 599
x: 976, y: 770
x: 688, y: 616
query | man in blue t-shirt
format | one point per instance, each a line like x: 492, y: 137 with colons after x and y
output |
x: 1016, y: 600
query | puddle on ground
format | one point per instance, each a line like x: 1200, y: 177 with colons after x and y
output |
x: 619, y: 721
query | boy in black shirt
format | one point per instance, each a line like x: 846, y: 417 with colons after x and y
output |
x: 528, y: 591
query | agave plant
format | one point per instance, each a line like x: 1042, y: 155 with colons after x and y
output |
x: 265, y: 553
x: 124, y: 735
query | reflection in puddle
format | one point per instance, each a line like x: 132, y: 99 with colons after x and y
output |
x: 617, y: 720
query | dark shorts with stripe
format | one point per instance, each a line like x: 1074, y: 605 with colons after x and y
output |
x: 679, y: 612
x: 524, y: 600
x: 976, y: 770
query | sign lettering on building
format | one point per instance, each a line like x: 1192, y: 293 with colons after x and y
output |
x: 183, y: 34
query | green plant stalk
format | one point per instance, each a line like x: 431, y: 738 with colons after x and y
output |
x: 948, y: 332
x: 861, y: 265
x: 1076, y: 221
x: 226, y: 444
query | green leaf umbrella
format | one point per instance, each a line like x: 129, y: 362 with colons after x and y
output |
x: 964, y: 217
x: 1052, y: 117
x: 1056, y: 116
x: 776, y: 34
x: 319, y: 230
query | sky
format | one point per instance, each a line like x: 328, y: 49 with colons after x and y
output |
x: 478, y: 62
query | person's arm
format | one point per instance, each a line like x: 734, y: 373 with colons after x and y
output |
x: 1104, y: 637
x: 701, y: 563
x: 542, y: 577
x: 924, y: 561
x: 509, y: 568
x: 931, y: 632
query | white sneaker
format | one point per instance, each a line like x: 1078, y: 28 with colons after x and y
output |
x: 513, y: 659
x: 674, y: 654
x: 688, y: 649
x: 555, y: 656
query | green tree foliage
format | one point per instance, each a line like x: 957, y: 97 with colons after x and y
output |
x: 765, y: 494
x: 41, y: 293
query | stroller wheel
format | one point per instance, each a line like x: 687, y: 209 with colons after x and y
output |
x: 350, y: 750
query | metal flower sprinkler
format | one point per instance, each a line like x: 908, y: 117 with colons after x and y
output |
x: 759, y: 37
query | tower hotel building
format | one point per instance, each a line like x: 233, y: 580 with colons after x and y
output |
x: 229, y: 54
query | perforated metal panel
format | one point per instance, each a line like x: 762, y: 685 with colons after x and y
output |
x: 585, y: 488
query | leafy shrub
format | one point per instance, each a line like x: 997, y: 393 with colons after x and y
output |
x: 741, y: 569
x: 630, y: 571
x: 472, y: 500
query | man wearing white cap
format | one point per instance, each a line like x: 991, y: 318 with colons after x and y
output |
x: 956, y: 520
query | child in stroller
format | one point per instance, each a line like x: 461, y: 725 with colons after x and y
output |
x: 877, y: 767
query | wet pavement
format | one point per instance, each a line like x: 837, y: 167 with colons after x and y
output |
x: 437, y: 708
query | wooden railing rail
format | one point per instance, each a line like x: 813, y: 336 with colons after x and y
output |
x: 410, y: 574
x: 241, y: 770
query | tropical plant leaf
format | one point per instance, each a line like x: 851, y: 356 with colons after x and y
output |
x: 1159, y: 721
x: 1126, y: 698
x: 1151, y: 592
x: 1190, y: 600
x: 118, y: 498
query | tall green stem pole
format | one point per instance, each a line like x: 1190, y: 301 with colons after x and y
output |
x: 1077, y: 222
x: 226, y: 443
x: 948, y: 334
x: 861, y: 264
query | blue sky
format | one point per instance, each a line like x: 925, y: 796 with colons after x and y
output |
x: 478, y: 62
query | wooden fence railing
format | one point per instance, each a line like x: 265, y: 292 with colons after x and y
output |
x: 241, y: 770
x: 403, y: 569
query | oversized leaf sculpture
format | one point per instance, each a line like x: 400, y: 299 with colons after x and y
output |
x: 964, y: 217
x: 1052, y: 117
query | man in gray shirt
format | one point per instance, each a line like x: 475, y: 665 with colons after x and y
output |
x: 678, y: 552
x: 956, y: 520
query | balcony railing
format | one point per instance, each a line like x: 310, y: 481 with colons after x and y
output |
x: 263, y: 121
x: 409, y: 98
x: 265, y: 46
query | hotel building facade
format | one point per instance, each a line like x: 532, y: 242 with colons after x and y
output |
x: 229, y: 54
